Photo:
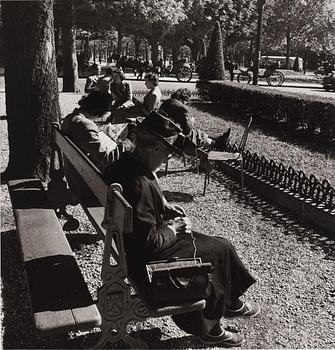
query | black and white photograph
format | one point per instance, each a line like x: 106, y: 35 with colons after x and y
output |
x: 167, y: 174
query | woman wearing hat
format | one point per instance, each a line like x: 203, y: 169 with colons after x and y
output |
x: 162, y: 231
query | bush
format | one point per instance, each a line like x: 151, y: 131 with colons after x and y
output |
x: 212, y: 67
x: 313, y: 112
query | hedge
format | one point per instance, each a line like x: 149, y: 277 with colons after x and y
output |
x: 312, y: 112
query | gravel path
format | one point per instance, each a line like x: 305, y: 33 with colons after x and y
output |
x: 294, y: 265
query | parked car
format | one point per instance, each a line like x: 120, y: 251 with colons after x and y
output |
x: 329, y: 81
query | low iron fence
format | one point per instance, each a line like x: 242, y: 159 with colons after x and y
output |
x: 297, y: 182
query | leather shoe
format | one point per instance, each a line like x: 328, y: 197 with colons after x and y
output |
x: 248, y: 309
x: 226, y: 339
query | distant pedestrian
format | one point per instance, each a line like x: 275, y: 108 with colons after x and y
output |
x: 229, y: 65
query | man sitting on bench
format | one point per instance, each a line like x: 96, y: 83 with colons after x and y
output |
x: 82, y: 127
x: 162, y: 231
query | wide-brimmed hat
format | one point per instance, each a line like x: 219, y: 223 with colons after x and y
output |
x: 163, y: 128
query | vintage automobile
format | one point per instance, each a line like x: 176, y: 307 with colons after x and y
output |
x: 329, y: 81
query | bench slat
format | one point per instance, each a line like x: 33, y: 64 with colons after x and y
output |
x: 56, y: 285
x: 35, y: 220
x: 66, y: 320
x: 87, y: 170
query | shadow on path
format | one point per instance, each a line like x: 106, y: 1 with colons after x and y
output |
x: 281, y: 217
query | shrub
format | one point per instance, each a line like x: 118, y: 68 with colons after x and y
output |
x: 295, y: 110
x: 212, y: 67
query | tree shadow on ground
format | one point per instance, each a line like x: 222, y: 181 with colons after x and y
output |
x: 280, y: 216
x: 312, y: 142
x: 182, y: 197
x: 78, y: 240
x: 153, y: 338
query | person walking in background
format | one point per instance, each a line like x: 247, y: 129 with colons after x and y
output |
x: 229, y: 65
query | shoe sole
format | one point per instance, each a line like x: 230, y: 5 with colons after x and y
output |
x: 222, y: 343
x: 243, y: 316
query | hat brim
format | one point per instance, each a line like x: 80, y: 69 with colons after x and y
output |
x: 171, y: 147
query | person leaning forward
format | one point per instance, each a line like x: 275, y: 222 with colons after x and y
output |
x: 162, y: 231
x: 81, y: 126
x: 175, y: 108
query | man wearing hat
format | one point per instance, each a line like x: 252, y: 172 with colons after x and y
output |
x: 162, y: 231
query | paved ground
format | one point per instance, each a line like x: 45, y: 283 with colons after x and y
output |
x: 168, y: 84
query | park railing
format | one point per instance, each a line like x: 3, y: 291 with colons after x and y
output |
x: 311, y: 200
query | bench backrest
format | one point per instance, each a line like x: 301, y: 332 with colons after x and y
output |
x: 118, y: 211
x: 82, y: 164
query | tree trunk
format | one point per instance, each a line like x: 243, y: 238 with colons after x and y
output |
x: 87, y: 51
x: 94, y: 52
x: 204, y: 47
x: 146, y: 51
x: 257, y: 53
x: 119, y: 43
x: 70, y: 63
x: 57, y: 40
x: 154, y: 52
x: 31, y: 85
x: 288, y: 48
x: 137, y: 43
x: 175, y: 52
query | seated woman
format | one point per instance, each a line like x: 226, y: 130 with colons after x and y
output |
x: 122, y: 94
x: 152, y: 99
x: 103, y: 83
x: 162, y: 231
x: 131, y: 107
x: 92, y: 80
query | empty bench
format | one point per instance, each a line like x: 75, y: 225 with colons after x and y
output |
x: 60, y: 300
x: 118, y: 300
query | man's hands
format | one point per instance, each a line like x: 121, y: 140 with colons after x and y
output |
x: 180, y: 224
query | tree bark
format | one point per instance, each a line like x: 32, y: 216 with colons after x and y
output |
x: 31, y: 85
x: 257, y: 53
x: 288, y: 48
x: 119, y: 43
x: 154, y: 52
x: 175, y: 51
x: 137, y: 43
x: 70, y: 63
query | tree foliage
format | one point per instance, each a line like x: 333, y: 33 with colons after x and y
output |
x: 237, y: 18
x: 306, y: 23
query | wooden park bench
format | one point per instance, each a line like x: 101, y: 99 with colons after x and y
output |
x: 119, y: 301
x: 60, y: 300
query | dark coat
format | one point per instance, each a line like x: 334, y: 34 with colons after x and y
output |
x: 150, y: 240
x: 101, y: 149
